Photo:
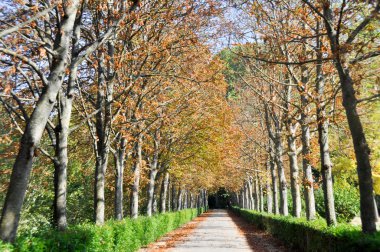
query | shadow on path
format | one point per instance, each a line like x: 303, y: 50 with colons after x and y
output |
x: 257, y: 239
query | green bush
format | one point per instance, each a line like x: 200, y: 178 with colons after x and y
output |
x: 126, y: 235
x: 303, y: 235
x: 347, y: 202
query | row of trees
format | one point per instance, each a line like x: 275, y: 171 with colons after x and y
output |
x: 85, y: 81
x: 307, y: 68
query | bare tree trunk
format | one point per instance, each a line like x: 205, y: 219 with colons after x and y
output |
x: 119, y: 171
x: 174, y: 196
x: 206, y: 198
x: 100, y: 170
x: 323, y: 140
x: 169, y: 196
x: 274, y: 184
x: 191, y: 200
x: 246, y: 196
x: 185, y: 199
x: 136, y: 178
x: 241, y: 199
x: 164, y: 192
x: 261, y: 196
x: 307, y: 169
x: 151, y: 185
x: 153, y: 172
x: 154, y: 207
x: 256, y: 193
x: 294, y: 178
x: 281, y: 173
x: 60, y: 163
x: 179, y: 200
x: 62, y: 132
x: 35, y: 127
x: 268, y: 188
x: 251, y: 204
x: 103, y: 131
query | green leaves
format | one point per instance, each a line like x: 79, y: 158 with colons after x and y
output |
x: 126, y: 235
x: 312, y: 235
x: 347, y: 202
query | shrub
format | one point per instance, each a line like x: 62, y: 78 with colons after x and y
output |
x: 347, y: 202
x: 127, y: 235
x: 303, y: 235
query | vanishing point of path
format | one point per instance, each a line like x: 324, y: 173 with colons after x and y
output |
x: 217, y: 230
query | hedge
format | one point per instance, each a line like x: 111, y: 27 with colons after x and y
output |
x: 303, y: 235
x: 126, y: 235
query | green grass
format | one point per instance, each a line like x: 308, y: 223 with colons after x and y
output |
x: 126, y: 235
x: 298, y: 233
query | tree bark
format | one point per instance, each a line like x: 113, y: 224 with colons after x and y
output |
x: 35, y: 127
x: 179, y: 199
x: 62, y: 132
x: 60, y: 163
x: 251, y: 204
x: 261, y: 196
x: 256, y: 192
x: 276, y: 209
x: 308, y: 180
x: 151, y: 185
x: 269, y: 189
x: 136, y: 178
x: 164, y: 192
x: 281, y: 173
x: 294, y: 178
x: 173, y: 194
x: 119, y: 170
x: 323, y: 140
x: 169, y: 196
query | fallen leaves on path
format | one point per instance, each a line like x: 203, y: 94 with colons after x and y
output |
x: 176, y: 236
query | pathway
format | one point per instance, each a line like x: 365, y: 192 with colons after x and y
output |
x: 219, y: 231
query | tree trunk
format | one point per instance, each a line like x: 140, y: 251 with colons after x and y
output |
x: 362, y: 152
x: 191, y: 200
x: 136, y: 179
x: 206, y: 198
x: 269, y: 189
x: 35, y: 127
x: 154, y: 207
x: 261, y: 196
x: 179, y: 200
x: 323, y: 140
x: 307, y: 169
x: 246, y: 196
x: 281, y: 173
x: 293, y: 163
x: 119, y: 170
x: 152, y: 179
x: 169, y: 196
x: 100, y: 172
x: 62, y: 132
x: 164, y: 192
x: 242, y: 198
x: 173, y: 194
x: 251, y: 204
x: 60, y: 163
x: 274, y: 184
x: 256, y: 193
x: 185, y: 198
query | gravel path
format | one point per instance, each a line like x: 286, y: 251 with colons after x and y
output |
x: 216, y: 230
